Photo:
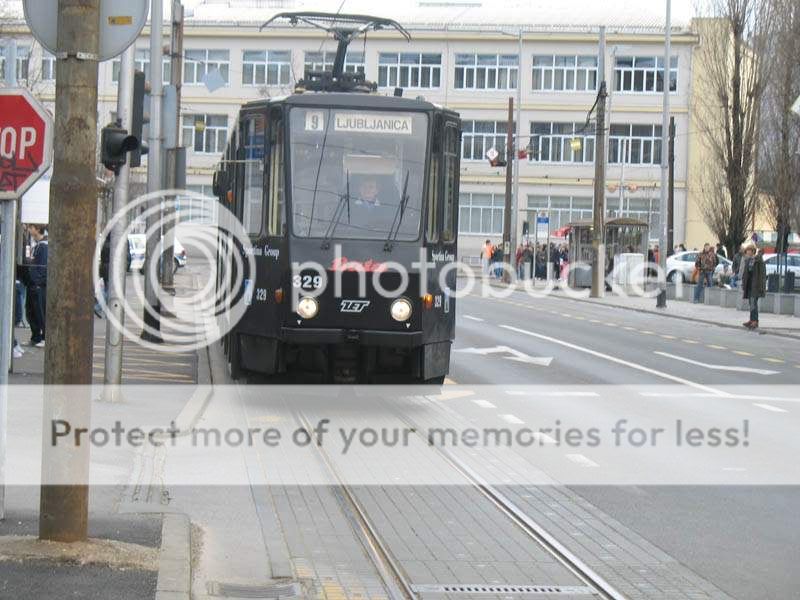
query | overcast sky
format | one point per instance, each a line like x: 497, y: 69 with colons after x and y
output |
x: 680, y: 7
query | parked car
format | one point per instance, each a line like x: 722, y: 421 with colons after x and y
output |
x: 792, y: 263
x: 138, y: 246
x: 680, y: 266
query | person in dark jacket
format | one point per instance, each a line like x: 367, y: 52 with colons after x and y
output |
x: 37, y: 285
x: 754, y: 280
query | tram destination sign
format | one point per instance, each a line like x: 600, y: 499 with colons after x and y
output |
x: 373, y: 123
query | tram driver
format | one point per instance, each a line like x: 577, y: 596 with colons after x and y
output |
x: 371, y: 210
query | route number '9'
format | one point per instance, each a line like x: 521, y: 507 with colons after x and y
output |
x: 315, y: 121
x: 307, y: 282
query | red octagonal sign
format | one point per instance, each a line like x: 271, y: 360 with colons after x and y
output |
x: 26, y: 142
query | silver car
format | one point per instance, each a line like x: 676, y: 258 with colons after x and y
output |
x: 792, y: 263
x: 680, y: 266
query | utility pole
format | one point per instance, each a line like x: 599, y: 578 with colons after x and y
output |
x: 176, y: 75
x: 517, y: 165
x: 661, y: 301
x: 112, y: 376
x: 9, y: 212
x: 507, y: 249
x: 598, y: 213
x: 671, y: 214
x: 152, y: 306
x: 64, y: 509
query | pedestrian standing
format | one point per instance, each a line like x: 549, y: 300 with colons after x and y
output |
x: 754, y: 280
x: 705, y: 264
x: 486, y: 256
x: 37, y: 285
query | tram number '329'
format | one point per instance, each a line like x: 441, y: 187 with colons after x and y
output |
x: 307, y: 282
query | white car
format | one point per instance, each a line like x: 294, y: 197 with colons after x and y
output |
x: 792, y: 263
x: 137, y: 242
x: 680, y: 266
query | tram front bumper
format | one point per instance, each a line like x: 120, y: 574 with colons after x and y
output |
x: 363, y: 337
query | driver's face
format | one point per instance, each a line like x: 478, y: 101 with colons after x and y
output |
x: 368, y: 190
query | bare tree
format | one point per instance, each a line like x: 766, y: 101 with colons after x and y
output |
x: 733, y: 68
x: 779, y: 154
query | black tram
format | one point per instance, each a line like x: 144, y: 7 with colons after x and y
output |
x: 366, y: 186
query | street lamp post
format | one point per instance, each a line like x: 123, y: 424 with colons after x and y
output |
x: 661, y: 302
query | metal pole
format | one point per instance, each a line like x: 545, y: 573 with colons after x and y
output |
x: 598, y: 245
x: 671, y: 186
x: 516, y: 200
x: 64, y: 509
x: 112, y: 376
x: 661, y: 302
x: 154, y: 175
x: 176, y: 70
x: 9, y: 215
x: 508, y: 251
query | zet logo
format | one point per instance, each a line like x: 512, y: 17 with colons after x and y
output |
x: 354, y: 306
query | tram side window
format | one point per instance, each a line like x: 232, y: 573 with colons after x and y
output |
x: 451, y: 144
x: 433, y: 201
x: 253, y: 196
x: 276, y: 180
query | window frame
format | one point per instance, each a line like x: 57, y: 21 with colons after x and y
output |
x: 192, y: 131
x: 496, y: 208
x: 575, y: 70
x: 498, y: 138
x: 655, y: 74
x: 538, y: 141
x: 267, y: 60
x: 394, y: 70
x: 474, y: 70
x: 201, y: 67
x: 634, y: 145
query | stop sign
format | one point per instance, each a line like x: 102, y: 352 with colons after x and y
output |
x: 26, y: 142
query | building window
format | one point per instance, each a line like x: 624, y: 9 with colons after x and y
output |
x: 645, y: 209
x: 486, y: 71
x: 409, y: 70
x: 266, y: 67
x: 323, y: 61
x: 553, y: 142
x: 562, y: 210
x: 206, y: 134
x: 479, y: 136
x: 481, y: 214
x: 199, y: 63
x: 141, y: 62
x: 643, y: 74
x: 565, y: 73
x: 635, y: 144
x: 23, y: 63
x: 48, y: 66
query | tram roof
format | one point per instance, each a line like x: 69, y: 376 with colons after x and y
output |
x: 350, y: 100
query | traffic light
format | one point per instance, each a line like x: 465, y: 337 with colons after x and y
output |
x: 141, y: 115
x: 115, y: 143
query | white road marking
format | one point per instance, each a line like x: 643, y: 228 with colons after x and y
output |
x: 717, y: 367
x: 552, y: 394
x: 581, y: 460
x: 484, y: 404
x: 619, y: 361
x: 543, y: 438
x: 770, y: 407
x: 471, y: 318
x: 512, y: 419
x: 516, y: 355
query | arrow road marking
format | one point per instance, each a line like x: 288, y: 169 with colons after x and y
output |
x: 718, y: 367
x: 516, y: 355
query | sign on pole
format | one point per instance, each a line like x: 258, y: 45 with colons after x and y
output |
x: 26, y: 142
x: 796, y: 106
x: 543, y: 228
x: 121, y: 22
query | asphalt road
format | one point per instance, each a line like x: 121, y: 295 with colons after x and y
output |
x: 743, y: 539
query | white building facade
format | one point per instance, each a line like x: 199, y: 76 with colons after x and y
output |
x: 467, y: 57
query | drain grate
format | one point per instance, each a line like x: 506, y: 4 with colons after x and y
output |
x: 503, y: 589
x: 272, y: 591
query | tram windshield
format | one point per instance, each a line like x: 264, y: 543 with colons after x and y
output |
x: 357, y: 174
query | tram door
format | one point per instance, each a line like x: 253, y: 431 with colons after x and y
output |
x: 441, y: 229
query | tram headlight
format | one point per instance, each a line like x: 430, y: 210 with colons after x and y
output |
x: 308, y: 307
x: 401, y: 310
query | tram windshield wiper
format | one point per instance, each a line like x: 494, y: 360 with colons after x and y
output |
x: 344, y: 202
x: 394, y: 231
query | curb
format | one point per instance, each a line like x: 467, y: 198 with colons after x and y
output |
x: 761, y: 331
x: 174, y: 559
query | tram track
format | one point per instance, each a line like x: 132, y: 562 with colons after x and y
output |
x: 399, y: 586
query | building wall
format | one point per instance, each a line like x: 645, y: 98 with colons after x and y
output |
x: 557, y: 181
